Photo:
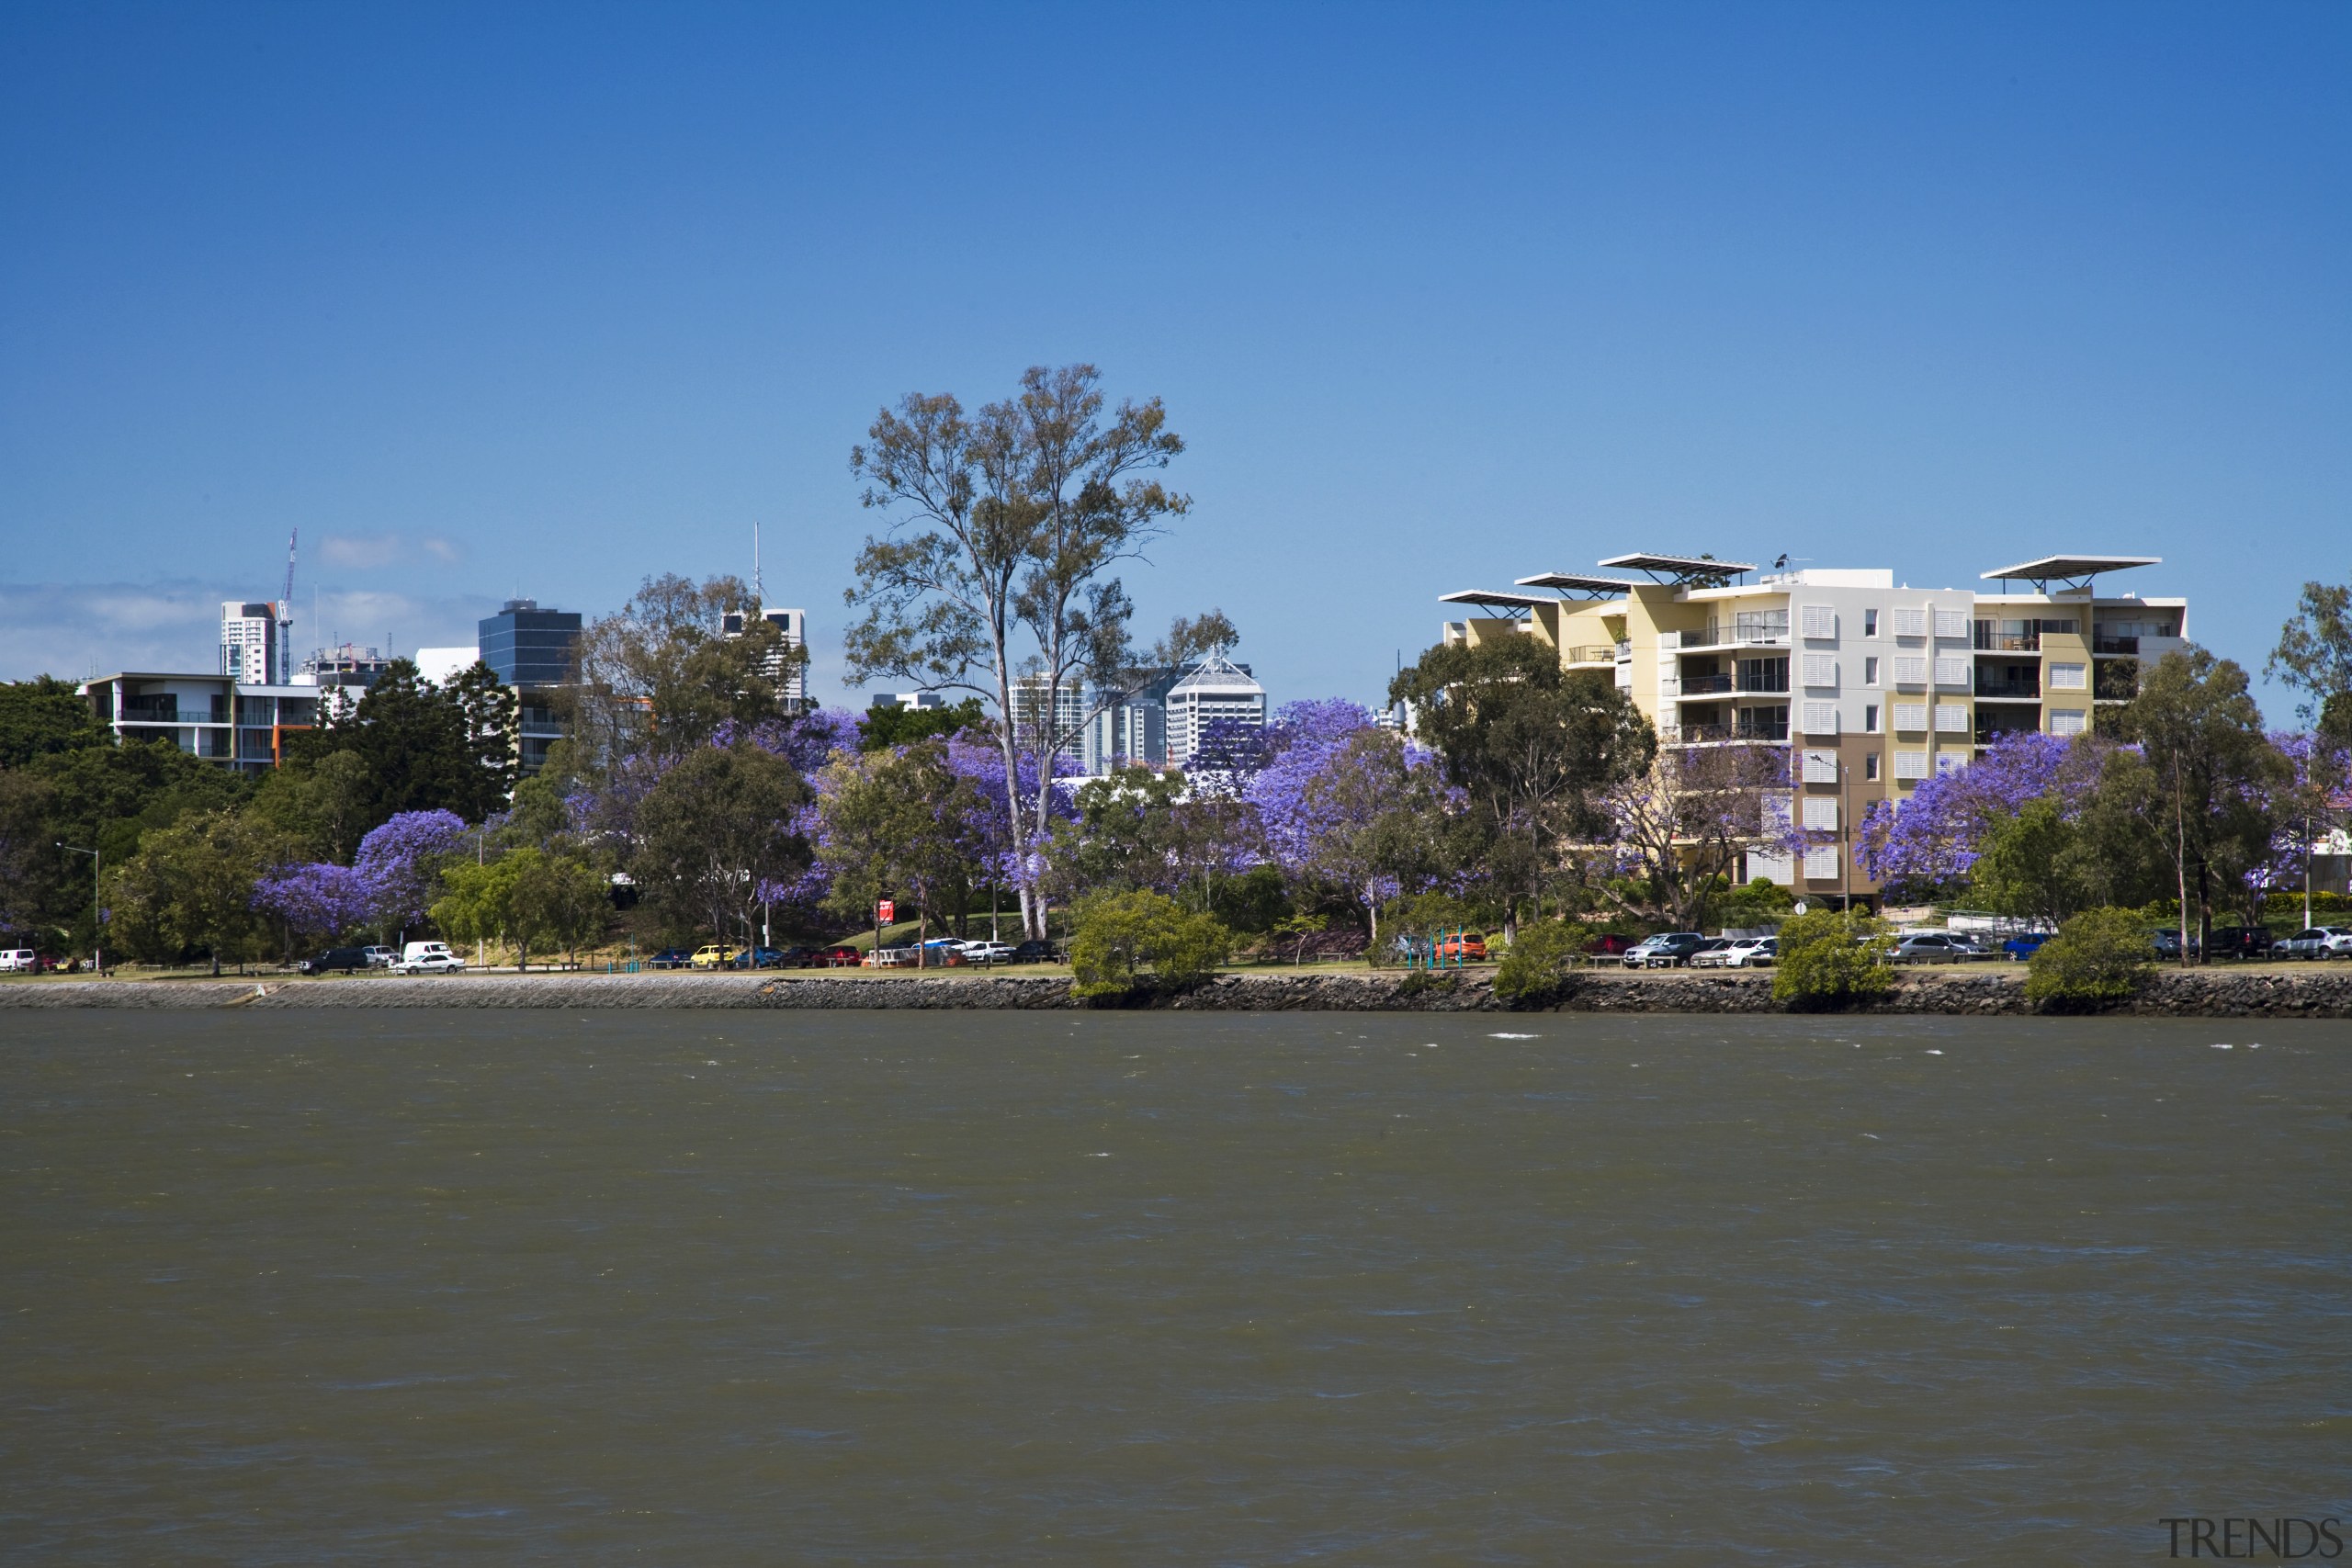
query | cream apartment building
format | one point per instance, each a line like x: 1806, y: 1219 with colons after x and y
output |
x: 1871, y: 684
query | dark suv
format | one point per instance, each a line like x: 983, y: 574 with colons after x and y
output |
x: 350, y: 959
x: 1035, y: 953
x: 2240, y: 941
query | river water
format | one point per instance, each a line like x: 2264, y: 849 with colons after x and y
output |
x: 706, y: 1288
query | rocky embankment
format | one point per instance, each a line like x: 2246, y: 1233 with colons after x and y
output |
x: 2318, y: 992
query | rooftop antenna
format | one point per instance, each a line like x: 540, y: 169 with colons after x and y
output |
x: 285, y: 672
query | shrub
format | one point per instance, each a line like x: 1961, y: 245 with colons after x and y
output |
x: 1833, y: 958
x: 2099, y: 957
x: 1114, y: 935
x: 1535, y: 965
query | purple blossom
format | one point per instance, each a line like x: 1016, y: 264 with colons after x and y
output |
x: 318, y: 899
x: 1937, y: 835
x: 402, y: 859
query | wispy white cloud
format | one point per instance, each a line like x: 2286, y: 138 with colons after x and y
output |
x: 443, y: 551
x: 75, y: 629
x: 363, y: 551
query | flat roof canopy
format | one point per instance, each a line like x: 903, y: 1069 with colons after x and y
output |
x: 1577, y: 583
x: 2076, y: 569
x: 1492, y: 599
x: 1678, y: 567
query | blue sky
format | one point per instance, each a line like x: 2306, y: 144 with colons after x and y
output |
x: 501, y: 300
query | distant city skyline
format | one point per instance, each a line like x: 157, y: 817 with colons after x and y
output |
x: 533, y: 302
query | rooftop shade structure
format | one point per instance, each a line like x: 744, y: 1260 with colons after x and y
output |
x: 1678, y: 567
x: 1492, y: 599
x: 1577, y: 583
x: 2072, y: 570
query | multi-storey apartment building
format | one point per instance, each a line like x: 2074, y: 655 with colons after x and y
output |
x: 240, y: 724
x: 1871, y: 685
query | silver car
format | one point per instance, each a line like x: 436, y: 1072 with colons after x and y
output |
x: 1935, y: 947
x: 2317, y: 941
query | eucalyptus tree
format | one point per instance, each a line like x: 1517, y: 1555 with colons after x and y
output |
x: 664, y: 673
x: 995, y: 574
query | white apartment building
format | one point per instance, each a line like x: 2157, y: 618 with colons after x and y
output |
x: 251, y: 649
x: 1217, y: 688
x: 1873, y: 684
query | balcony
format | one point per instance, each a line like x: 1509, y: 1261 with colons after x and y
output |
x: 1705, y: 685
x: 2024, y: 690
x: 1590, y: 653
x: 1991, y: 641
x: 2115, y: 644
x: 165, y: 709
x: 1767, y: 630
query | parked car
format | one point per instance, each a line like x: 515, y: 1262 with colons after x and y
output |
x: 989, y: 952
x: 1463, y: 947
x: 1667, y: 949
x: 379, y: 957
x: 1613, y: 944
x: 1935, y: 947
x: 670, y: 958
x: 349, y: 960
x: 2240, y: 941
x: 757, y: 958
x: 1712, y: 953
x: 428, y: 958
x: 713, y: 955
x: 2025, y: 944
x: 839, y: 956
x: 19, y: 961
x: 1752, y: 952
x: 2167, y: 943
x: 1035, y: 953
x: 2317, y: 941
x: 796, y: 957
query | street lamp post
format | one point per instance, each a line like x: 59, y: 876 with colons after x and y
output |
x: 97, y: 892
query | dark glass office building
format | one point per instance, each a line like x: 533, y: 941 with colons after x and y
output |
x: 530, y: 649
x: 526, y: 646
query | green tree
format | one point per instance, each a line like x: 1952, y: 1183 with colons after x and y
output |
x: 678, y: 661
x: 2210, y: 769
x: 713, y: 832
x: 563, y: 900
x: 424, y: 747
x: 1121, y: 837
x: 191, y: 885
x: 1533, y: 746
x: 478, y: 904
x: 324, y: 804
x: 1539, y: 959
x: 2314, y: 655
x: 2097, y: 957
x: 996, y: 578
x: 905, y: 826
x: 887, y: 723
x: 42, y: 716
x: 1113, y: 936
x: 2037, y: 865
x: 1832, y: 958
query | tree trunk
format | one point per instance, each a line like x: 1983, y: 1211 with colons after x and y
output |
x: 2180, y: 854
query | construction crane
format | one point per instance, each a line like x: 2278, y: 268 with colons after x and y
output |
x: 285, y: 672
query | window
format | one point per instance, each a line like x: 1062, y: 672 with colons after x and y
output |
x: 1951, y: 719
x: 1821, y: 813
x: 1910, y: 670
x: 2066, y: 677
x: 1869, y: 718
x: 1870, y: 622
x: 1776, y: 809
x: 1821, y: 767
x: 1910, y: 715
x: 1870, y: 670
x: 1821, y: 862
x: 1910, y: 623
x: 1820, y: 620
x: 1760, y: 626
x: 1820, y: 669
x: 1910, y: 766
x: 2066, y: 721
x: 1821, y: 718
x: 1949, y: 763
x: 1952, y: 671
x: 1869, y: 768
x: 1953, y: 623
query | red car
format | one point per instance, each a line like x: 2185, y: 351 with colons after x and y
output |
x: 833, y: 958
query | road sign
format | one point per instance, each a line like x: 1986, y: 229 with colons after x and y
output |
x: 886, y: 911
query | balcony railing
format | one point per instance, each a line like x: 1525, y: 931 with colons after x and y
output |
x: 1991, y: 641
x: 2115, y: 644
x: 152, y: 710
x: 1985, y: 688
x: 1768, y: 632
x: 1700, y: 686
x: 1590, y: 653
x: 1760, y: 729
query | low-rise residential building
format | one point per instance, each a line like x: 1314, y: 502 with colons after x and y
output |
x: 1871, y: 684
x: 240, y: 726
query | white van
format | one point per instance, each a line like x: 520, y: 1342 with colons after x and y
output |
x: 428, y: 958
x: 18, y: 960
